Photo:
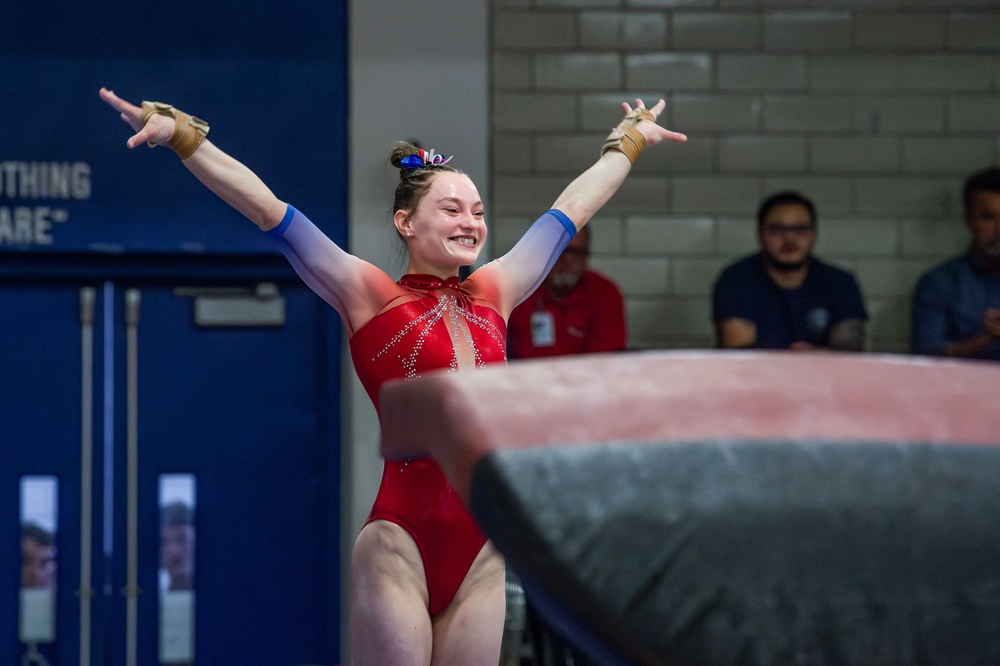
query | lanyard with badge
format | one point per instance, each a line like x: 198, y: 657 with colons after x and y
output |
x: 543, y: 327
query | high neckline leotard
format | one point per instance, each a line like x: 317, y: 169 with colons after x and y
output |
x: 433, y: 331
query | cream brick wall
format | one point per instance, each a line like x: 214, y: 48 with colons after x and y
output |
x: 875, y: 109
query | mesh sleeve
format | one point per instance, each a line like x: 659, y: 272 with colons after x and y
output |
x: 339, y: 278
x: 520, y: 271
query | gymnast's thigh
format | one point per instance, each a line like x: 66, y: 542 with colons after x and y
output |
x: 386, y: 560
x: 487, y: 572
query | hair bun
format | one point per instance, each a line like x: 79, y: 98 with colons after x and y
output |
x: 400, y: 151
x: 408, y: 158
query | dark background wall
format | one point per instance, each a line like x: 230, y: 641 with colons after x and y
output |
x: 271, y: 79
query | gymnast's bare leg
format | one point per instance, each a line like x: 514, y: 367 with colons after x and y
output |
x: 389, y: 616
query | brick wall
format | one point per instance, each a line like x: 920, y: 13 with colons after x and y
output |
x: 875, y: 109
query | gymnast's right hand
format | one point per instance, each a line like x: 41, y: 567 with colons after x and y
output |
x: 158, y: 129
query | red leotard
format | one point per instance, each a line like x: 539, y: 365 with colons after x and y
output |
x: 405, y: 341
x: 423, y: 323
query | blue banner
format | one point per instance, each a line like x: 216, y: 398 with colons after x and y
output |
x: 271, y: 80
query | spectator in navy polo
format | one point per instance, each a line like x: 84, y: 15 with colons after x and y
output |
x: 783, y: 297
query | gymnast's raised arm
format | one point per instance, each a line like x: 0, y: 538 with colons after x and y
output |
x: 232, y: 181
x: 355, y: 288
x: 521, y: 270
x: 583, y: 197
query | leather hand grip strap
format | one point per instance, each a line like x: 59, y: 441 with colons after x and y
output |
x: 189, y: 131
x: 626, y: 138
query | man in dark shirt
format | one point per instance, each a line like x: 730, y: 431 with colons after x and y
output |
x: 956, y: 305
x: 783, y: 297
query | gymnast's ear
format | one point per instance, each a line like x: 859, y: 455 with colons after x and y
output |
x: 403, y: 223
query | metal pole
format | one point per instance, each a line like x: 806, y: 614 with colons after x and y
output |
x: 85, y: 592
x: 132, y: 299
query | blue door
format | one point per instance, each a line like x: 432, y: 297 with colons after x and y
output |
x: 190, y: 432
x: 169, y: 391
x: 40, y: 449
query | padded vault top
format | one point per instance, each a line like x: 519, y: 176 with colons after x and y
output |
x: 687, y: 396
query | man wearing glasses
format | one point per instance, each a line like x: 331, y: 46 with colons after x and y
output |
x: 783, y: 297
x: 574, y: 311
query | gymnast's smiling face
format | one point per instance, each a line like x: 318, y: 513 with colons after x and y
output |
x: 447, y: 228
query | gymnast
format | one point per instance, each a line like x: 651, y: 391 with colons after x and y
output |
x: 426, y: 585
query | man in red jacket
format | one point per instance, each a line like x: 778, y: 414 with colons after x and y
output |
x: 574, y: 311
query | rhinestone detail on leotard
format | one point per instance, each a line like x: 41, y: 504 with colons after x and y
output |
x: 453, y: 309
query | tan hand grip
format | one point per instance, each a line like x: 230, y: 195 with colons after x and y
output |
x: 189, y: 131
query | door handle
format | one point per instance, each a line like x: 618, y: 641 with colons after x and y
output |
x: 261, y: 306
